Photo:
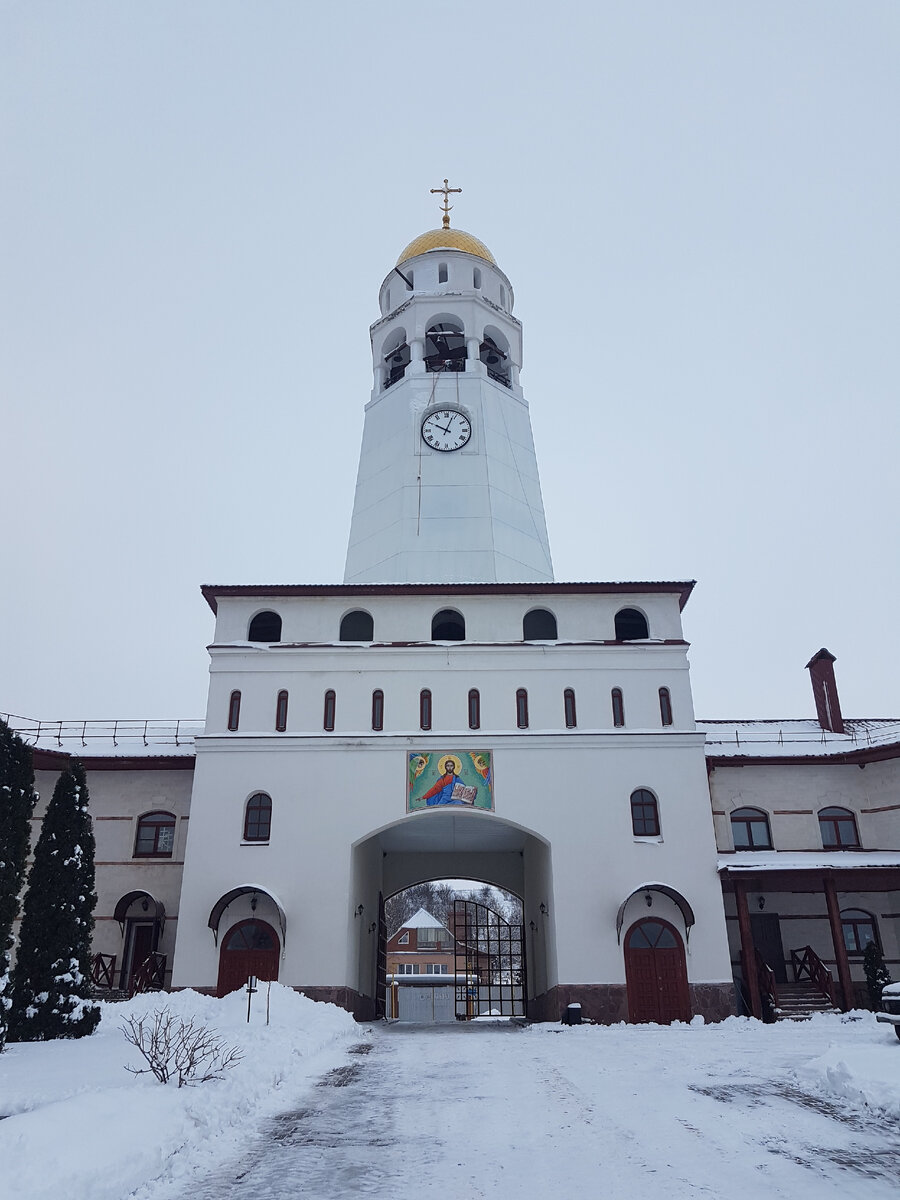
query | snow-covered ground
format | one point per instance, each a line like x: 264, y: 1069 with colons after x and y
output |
x: 324, y: 1108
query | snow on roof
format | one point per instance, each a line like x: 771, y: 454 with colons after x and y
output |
x: 807, y: 860
x: 422, y: 920
x: 795, y: 738
x: 109, y: 739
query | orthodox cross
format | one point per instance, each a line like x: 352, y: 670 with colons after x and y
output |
x: 446, y: 191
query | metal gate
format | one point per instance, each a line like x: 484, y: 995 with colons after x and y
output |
x: 381, y: 961
x: 490, y: 963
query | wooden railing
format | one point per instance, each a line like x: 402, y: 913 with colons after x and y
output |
x: 103, y: 969
x: 806, y: 964
x: 768, y: 989
x: 150, y: 975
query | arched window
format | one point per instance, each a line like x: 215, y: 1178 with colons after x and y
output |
x: 474, y: 709
x: 378, y: 710
x: 281, y: 712
x: 448, y: 625
x: 665, y: 706
x: 838, y: 826
x: 425, y: 709
x: 155, y: 835
x: 234, y: 711
x: 539, y: 625
x: 859, y: 929
x: 258, y: 818
x: 495, y: 359
x: 569, y: 708
x: 357, y: 626
x: 476, y: 278
x: 631, y: 625
x: 618, y: 707
x: 265, y: 627
x: 750, y: 829
x: 522, y: 709
x: 644, y: 813
x: 328, y: 715
x: 396, y: 357
x: 445, y: 347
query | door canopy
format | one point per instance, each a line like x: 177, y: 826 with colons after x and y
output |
x: 245, y: 889
x: 686, y: 911
x: 155, y: 909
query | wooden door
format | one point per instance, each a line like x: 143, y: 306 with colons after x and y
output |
x: 766, y: 930
x: 249, y: 948
x: 140, y: 946
x: 656, y: 973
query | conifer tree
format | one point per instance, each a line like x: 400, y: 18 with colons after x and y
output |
x: 17, y: 799
x: 877, y: 974
x: 52, y: 978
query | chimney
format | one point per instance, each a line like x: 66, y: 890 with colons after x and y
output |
x: 828, y: 706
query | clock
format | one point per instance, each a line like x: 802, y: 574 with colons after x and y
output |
x: 446, y: 429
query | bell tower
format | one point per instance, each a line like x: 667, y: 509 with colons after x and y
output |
x: 448, y: 488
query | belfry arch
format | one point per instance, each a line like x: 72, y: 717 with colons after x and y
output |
x: 451, y: 844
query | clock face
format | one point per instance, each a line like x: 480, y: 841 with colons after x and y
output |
x: 447, y: 429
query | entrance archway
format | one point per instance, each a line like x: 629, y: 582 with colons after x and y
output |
x: 457, y: 844
x: 249, y: 948
x: 656, y: 973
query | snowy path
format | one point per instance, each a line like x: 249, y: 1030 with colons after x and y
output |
x: 639, y: 1112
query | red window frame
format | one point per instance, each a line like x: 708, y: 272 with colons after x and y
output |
x: 425, y: 708
x: 753, y: 823
x: 665, y: 706
x: 474, y: 709
x: 328, y: 711
x: 281, y: 707
x: 618, y: 707
x: 836, y: 820
x: 258, y: 818
x: 569, y: 708
x: 378, y: 710
x: 155, y: 821
x: 234, y: 711
x: 521, y: 709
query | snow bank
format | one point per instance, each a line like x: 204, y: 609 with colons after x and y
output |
x: 77, y: 1124
x: 864, y: 1070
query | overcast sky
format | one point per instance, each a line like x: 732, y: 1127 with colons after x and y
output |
x: 696, y: 202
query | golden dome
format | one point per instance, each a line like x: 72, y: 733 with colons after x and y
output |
x: 446, y: 239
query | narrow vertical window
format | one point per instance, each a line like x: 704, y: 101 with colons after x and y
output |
x: 618, y: 707
x: 234, y: 710
x: 410, y: 281
x: 378, y: 710
x: 474, y: 709
x: 569, y: 707
x: 476, y: 278
x: 503, y: 297
x: 522, y: 708
x: 328, y: 718
x: 442, y: 272
x: 281, y: 712
x: 425, y: 709
x: 665, y: 706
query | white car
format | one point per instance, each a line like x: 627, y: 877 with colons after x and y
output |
x: 890, y: 1000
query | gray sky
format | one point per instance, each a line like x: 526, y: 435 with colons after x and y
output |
x: 696, y: 204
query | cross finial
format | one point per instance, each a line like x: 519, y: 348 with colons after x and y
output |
x: 446, y: 191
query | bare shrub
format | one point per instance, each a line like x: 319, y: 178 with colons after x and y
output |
x: 176, y: 1049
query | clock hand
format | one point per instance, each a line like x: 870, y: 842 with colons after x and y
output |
x: 446, y: 428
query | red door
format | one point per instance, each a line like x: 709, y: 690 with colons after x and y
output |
x: 656, y: 974
x: 139, y: 951
x: 249, y: 948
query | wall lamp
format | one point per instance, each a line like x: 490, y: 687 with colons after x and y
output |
x: 761, y: 903
x: 532, y: 925
x: 544, y: 909
x: 373, y: 927
x: 648, y: 899
x: 360, y: 909
x: 253, y: 903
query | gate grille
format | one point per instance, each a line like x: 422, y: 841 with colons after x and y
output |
x: 490, y: 963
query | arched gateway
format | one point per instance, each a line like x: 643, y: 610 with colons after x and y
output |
x: 463, y: 845
x: 248, y: 948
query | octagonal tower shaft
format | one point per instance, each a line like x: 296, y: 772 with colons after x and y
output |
x: 448, y: 488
